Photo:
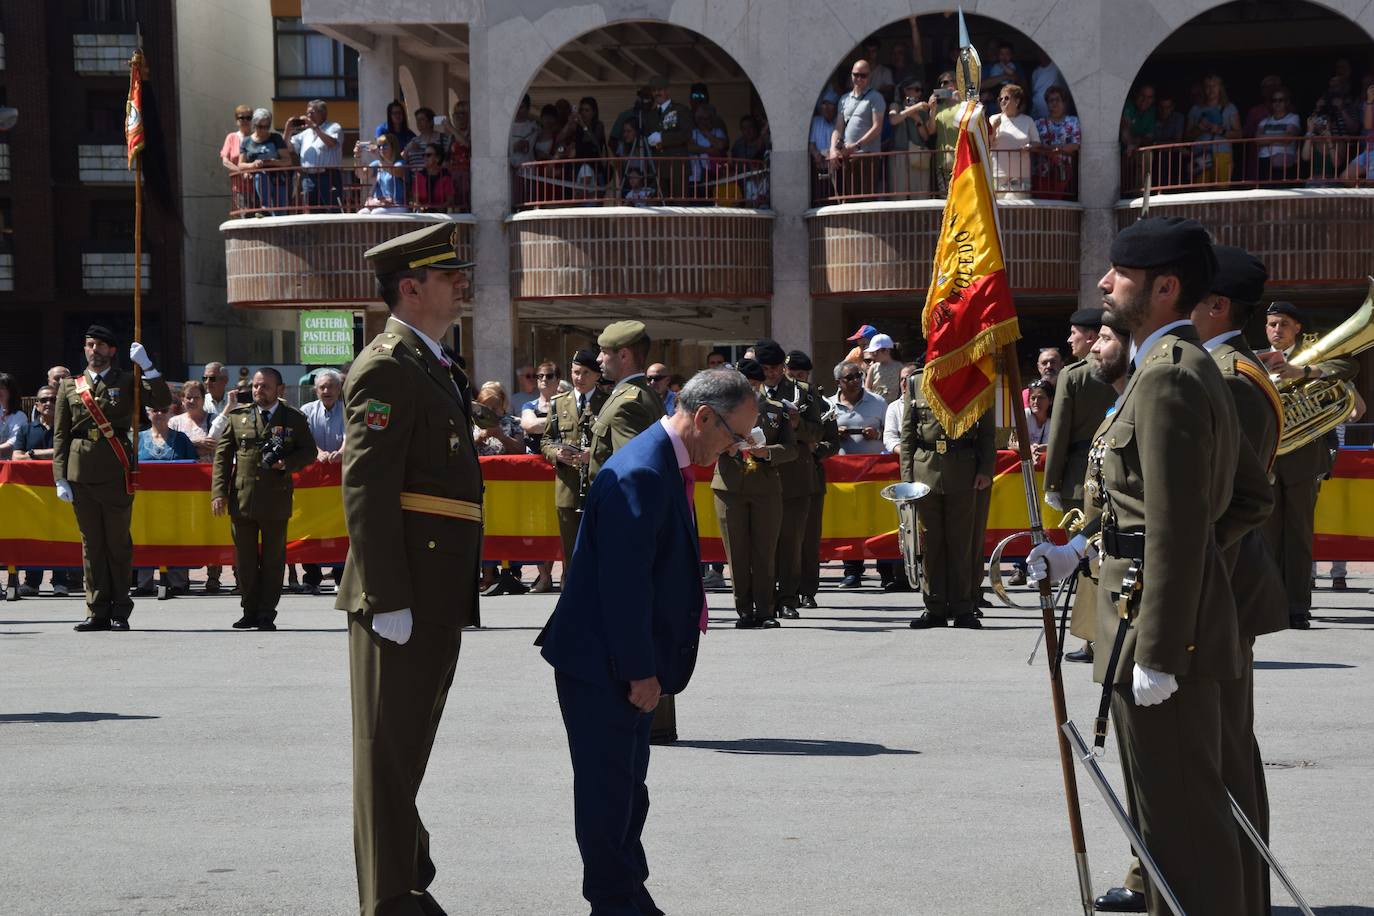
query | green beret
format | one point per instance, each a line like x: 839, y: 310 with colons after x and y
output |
x: 1160, y: 240
x: 622, y: 334
x: 1240, y: 275
x: 433, y: 247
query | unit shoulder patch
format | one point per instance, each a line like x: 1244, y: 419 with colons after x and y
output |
x: 378, y: 415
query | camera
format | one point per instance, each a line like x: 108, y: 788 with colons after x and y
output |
x: 273, y: 450
x: 243, y: 396
x: 944, y: 94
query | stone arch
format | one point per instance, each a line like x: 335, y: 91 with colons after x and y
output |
x: 410, y: 93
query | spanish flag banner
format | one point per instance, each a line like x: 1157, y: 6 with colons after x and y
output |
x: 133, y: 108
x: 969, y: 313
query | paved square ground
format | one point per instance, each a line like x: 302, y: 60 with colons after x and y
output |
x: 843, y: 764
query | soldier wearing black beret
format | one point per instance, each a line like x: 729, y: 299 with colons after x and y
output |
x: 566, y: 446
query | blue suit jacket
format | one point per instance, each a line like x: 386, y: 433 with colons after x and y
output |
x: 631, y: 607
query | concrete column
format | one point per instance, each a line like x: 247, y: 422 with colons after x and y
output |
x: 493, y: 312
x: 791, y: 323
x: 1100, y: 165
x: 376, y: 83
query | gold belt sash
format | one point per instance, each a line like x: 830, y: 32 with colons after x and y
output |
x: 464, y: 509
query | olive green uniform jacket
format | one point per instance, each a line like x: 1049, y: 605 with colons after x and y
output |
x: 249, y: 489
x: 1080, y: 403
x: 631, y: 408
x: 564, y: 426
x: 80, y: 453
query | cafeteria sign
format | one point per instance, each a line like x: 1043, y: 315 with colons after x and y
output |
x: 326, y: 338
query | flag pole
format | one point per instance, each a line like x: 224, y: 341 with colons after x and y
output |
x: 968, y: 78
x: 134, y: 132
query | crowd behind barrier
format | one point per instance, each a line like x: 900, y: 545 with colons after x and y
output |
x: 172, y: 524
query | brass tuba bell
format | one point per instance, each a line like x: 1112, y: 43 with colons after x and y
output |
x: 1314, y: 407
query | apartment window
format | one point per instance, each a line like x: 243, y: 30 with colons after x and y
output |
x: 311, y: 65
x: 105, y: 116
x: 112, y: 220
x: 111, y: 11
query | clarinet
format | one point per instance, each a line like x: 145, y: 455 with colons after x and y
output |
x: 584, y: 440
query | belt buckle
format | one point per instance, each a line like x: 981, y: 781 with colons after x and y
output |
x: 941, y: 446
x: 93, y: 434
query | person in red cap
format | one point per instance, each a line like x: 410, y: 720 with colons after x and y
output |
x: 863, y: 335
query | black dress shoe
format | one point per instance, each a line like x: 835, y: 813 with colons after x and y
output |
x: 92, y: 624
x: 1300, y: 621
x: 266, y: 625
x: 245, y: 623
x: 428, y: 905
x: 1084, y: 654
x: 789, y: 612
x: 120, y: 626
x: 808, y: 601
x: 1338, y: 583
x: 1120, y: 900
x: 143, y: 591
x: 748, y: 623
x: 768, y: 623
x: 928, y: 621
x: 851, y: 582
x: 968, y: 621
x: 897, y: 585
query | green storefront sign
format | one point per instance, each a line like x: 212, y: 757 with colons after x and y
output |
x: 326, y: 338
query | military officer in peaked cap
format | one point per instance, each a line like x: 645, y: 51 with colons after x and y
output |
x: 565, y: 446
x: 413, y: 506
x: 92, y: 465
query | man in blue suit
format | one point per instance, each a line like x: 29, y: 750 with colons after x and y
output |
x: 626, y: 627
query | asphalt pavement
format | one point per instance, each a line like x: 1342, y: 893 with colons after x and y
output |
x: 842, y: 764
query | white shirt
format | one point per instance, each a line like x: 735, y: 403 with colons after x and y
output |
x: 312, y: 150
x: 1220, y: 339
x: 1149, y: 341
x: 434, y: 345
x: 892, y: 424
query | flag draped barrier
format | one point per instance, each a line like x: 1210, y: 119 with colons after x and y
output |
x: 172, y: 524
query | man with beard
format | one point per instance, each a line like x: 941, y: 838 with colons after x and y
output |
x: 569, y: 426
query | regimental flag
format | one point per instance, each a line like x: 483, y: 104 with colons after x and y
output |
x: 133, y: 108
x: 969, y: 313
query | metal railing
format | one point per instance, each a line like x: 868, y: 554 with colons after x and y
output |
x: 284, y: 190
x: 687, y: 181
x: 1039, y: 172
x: 1257, y: 162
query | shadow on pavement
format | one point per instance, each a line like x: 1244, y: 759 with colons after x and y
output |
x: 20, y: 632
x: 137, y: 629
x: 1351, y: 910
x: 1297, y: 666
x: 795, y: 747
x: 63, y: 718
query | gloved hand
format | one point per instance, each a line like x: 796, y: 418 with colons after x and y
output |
x: 64, y: 491
x: 139, y: 357
x: 393, y: 625
x: 1151, y: 687
x: 654, y: 139
x: 1054, y: 500
x: 1055, y: 562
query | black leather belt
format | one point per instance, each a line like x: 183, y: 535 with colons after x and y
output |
x: 1129, y: 545
x: 948, y: 444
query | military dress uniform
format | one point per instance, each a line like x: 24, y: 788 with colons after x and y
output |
x: 828, y: 444
x: 798, y: 478
x: 673, y: 123
x: 85, y: 458
x: 632, y: 407
x: 948, y: 515
x: 572, y: 425
x: 412, y: 490
x: 259, y: 500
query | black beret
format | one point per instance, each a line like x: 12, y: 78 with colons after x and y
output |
x: 1087, y: 318
x: 586, y: 359
x: 1113, y: 320
x: 100, y: 332
x: 1240, y: 275
x: 796, y: 359
x: 1289, y: 309
x: 1159, y: 240
x: 750, y: 369
x: 769, y: 353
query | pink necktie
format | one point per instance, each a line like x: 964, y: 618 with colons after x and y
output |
x: 690, y: 485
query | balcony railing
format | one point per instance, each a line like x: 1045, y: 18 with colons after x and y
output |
x: 1042, y: 173
x: 1259, y: 162
x: 646, y: 181
x: 292, y: 190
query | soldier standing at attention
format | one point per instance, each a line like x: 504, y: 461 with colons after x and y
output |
x: 956, y: 470
x: 633, y: 405
x: 264, y: 444
x: 748, y: 496
x: 1080, y: 403
x: 92, y: 466
x: 566, y: 437
x: 1298, y: 474
x: 798, y: 367
x: 413, y: 506
x: 798, y: 477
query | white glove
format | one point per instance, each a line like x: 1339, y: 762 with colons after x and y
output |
x: 758, y: 437
x: 393, y: 625
x: 654, y: 139
x: 1054, y: 500
x: 64, y: 491
x: 139, y: 356
x: 1151, y: 687
x: 1055, y: 562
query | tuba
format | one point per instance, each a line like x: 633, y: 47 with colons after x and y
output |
x: 909, y: 537
x: 1314, y: 407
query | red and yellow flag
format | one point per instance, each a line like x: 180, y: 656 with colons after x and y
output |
x: 133, y: 108
x: 969, y: 312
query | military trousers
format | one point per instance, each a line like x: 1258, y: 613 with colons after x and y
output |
x: 1243, y: 771
x: 103, y: 512
x: 948, y: 523
x: 791, y: 537
x: 1289, y: 533
x: 259, y: 564
x: 982, y: 506
x: 1171, y: 758
x: 749, y: 526
x: 569, y: 520
x: 809, y: 578
x: 398, y: 695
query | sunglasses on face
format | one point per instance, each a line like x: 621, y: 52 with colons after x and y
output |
x: 657, y: 378
x: 210, y: 378
x: 243, y: 117
x: 851, y: 377
x: 46, y: 400
x: 859, y: 76
x: 546, y: 375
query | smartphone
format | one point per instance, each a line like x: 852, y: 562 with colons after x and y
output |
x: 943, y: 94
x: 440, y: 120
